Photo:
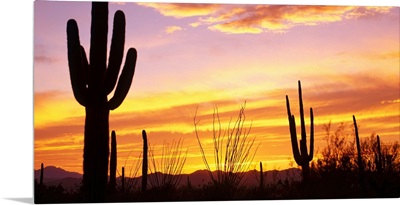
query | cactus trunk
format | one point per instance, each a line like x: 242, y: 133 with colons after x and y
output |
x: 113, y: 161
x: 123, y: 180
x: 261, y: 176
x: 379, y: 157
x: 41, y: 175
x: 91, y: 85
x: 96, y: 151
x: 145, y: 161
x: 359, y: 157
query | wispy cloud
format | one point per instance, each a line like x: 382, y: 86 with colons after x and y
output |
x: 232, y: 18
x: 173, y: 29
x: 184, y: 9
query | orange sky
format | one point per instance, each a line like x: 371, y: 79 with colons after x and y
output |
x: 211, y: 55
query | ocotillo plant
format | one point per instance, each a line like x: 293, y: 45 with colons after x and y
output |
x: 145, y: 161
x: 92, y: 81
x: 302, y: 157
x: 113, y: 161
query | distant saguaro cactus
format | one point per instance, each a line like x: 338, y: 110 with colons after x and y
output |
x: 91, y: 83
x: 261, y: 176
x: 145, y: 163
x: 378, y: 160
x: 41, y: 175
x: 113, y: 161
x: 123, y: 180
x: 302, y: 157
x: 359, y: 155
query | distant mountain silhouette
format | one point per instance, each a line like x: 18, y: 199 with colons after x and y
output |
x: 54, y: 176
x: 52, y: 172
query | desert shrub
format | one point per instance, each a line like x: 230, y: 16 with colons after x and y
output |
x: 233, y: 155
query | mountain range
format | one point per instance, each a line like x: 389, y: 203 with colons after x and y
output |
x: 53, y: 176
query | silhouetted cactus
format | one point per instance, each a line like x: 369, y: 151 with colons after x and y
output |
x: 92, y: 83
x: 123, y: 180
x: 302, y: 157
x: 261, y: 176
x: 41, y: 175
x: 378, y: 160
x: 113, y: 161
x: 359, y: 157
x: 145, y: 161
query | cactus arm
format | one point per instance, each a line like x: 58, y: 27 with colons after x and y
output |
x: 310, y: 156
x: 303, y: 141
x: 116, y: 51
x: 293, y: 134
x: 98, y: 44
x: 85, y: 67
x: 125, y: 80
x: 295, y: 146
x: 76, y: 63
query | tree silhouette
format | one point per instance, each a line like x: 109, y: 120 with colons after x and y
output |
x: 91, y: 83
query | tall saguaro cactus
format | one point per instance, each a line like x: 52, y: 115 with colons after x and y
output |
x: 302, y: 157
x: 92, y: 81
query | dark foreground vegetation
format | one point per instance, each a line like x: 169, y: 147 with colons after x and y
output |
x: 335, y: 174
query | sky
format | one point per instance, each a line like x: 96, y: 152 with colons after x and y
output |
x: 194, y: 58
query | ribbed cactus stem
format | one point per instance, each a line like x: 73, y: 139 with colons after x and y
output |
x: 300, y: 154
x: 379, y: 160
x: 359, y: 157
x: 261, y: 176
x: 123, y: 180
x: 91, y: 85
x: 113, y: 161
x: 41, y: 175
x: 145, y: 161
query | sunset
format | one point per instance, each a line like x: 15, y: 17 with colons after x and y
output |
x: 196, y: 59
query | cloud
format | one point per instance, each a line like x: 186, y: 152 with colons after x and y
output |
x: 173, y: 29
x: 183, y: 10
x: 231, y: 18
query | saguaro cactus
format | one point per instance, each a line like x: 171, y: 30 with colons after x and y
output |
x: 123, y: 180
x: 378, y: 160
x: 41, y: 175
x: 359, y: 157
x: 145, y: 161
x: 92, y: 82
x: 302, y: 157
x: 261, y: 177
x: 113, y: 161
